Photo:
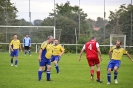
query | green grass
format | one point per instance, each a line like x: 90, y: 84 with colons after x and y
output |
x: 74, y: 74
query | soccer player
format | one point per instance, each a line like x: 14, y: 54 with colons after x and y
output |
x: 27, y: 44
x: 92, y: 50
x: 115, y: 53
x: 15, y: 46
x: 45, y: 54
x: 58, y: 51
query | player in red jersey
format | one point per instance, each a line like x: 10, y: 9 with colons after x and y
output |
x: 92, y: 50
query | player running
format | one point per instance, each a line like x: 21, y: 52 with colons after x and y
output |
x: 27, y: 44
x: 58, y: 51
x: 116, y: 52
x: 45, y: 54
x: 92, y: 51
x: 15, y: 46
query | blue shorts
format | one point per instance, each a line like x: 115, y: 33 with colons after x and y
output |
x: 14, y: 53
x: 55, y: 58
x: 114, y: 63
x: 45, y: 62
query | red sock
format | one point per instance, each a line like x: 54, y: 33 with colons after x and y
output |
x: 92, y: 72
x: 98, y: 75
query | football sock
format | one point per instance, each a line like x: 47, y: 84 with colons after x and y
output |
x: 57, y: 68
x: 11, y: 60
x: 25, y: 52
x: 48, y: 75
x: 29, y: 52
x: 115, y: 75
x: 16, y: 62
x: 98, y: 75
x: 39, y: 75
x: 109, y: 77
x: 92, y: 72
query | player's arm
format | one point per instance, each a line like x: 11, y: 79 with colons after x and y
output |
x: 30, y: 42
x: 23, y: 42
x: 81, y: 53
x: 40, y: 53
x: 10, y: 46
x: 129, y: 57
x: 20, y: 46
x: 99, y: 51
x: 62, y: 51
x: 110, y: 52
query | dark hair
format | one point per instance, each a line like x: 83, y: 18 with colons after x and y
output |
x: 93, y: 37
x: 14, y: 34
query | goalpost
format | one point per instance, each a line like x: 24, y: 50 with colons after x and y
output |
x: 38, y: 34
x: 114, y: 37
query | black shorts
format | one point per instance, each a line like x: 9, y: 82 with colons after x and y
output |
x: 26, y: 47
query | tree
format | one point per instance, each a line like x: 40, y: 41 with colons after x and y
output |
x: 67, y: 20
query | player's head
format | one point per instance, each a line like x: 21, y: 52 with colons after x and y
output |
x: 56, y: 41
x: 27, y: 35
x: 118, y: 43
x: 93, y: 38
x: 15, y: 36
x: 50, y: 39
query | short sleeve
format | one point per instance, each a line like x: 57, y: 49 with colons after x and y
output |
x: 124, y: 51
x: 62, y: 49
x: 43, y: 46
x: 11, y: 43
x: 111, y: 49
x: 97, y: 45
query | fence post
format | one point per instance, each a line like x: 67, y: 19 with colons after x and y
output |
x: 36, y: 48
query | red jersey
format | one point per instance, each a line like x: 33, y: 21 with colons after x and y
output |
x: 91, y: 49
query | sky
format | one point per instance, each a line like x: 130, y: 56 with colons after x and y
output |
x: 40, y: 9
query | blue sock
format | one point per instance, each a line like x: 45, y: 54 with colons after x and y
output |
x: 48, y: 75
x: 115, y: 75
x: 39, y: 75
x: 16, y: 62
x: 11, y: 60
x: 109, y: 77
x: 29, y: 52
x: 57, y: 68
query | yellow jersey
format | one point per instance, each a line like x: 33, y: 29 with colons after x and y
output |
x: 15, y: 44
x: 47, y: 49
x: 117, y: 53
x: 57, y: 49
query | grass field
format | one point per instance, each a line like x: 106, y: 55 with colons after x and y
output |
x: 73, y: 74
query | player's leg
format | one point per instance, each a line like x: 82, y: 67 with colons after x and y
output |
x: 48, y: 70
x: 29, y: 50
x: 25, y: 50
x: 12, y: 55
x: 56, y: 64
x: 40, y: 73
x: 16, y: 55
x: 42, y: 64
x: 115, y: 74
x: 98, y: 73
x: 117, y: 65
x: 109, y: 69
x: 91, y: 64
x: 97, y: 62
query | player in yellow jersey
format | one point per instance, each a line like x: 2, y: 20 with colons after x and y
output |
x: 58, y: 51
x: 45, y: 54
x: 115, y: 53
x: 15, y: 46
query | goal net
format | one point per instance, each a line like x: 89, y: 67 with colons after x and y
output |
x: 115, y: 37
x: 38, y: 34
